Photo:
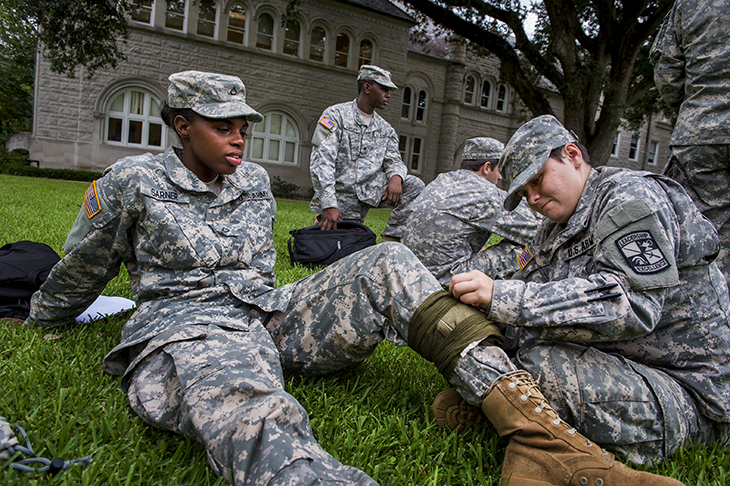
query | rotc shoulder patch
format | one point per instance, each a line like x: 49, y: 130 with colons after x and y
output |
x: 91, y: 201
x: 642, y: 253
x: 327, y: 123
x: 524, y: 258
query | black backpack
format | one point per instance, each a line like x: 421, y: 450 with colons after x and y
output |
x: 24, y: 266
x: 312, y: 247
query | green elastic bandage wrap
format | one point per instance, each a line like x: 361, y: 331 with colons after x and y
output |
x: 442, y: 327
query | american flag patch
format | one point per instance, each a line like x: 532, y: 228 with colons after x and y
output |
x: 524, y: 258
x: 91, y: 201
x: 327, y: 123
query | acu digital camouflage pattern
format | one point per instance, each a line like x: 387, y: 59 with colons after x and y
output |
x: 197, y: 355
x: 691, y: 55
x: 630, y: 322
x: 211, y: 95
x: 377, y: 74
x: 482, y: 148
x: 351, y: 164
x: 453, y: 219
x: 527, y: 151
x: 7, y: 440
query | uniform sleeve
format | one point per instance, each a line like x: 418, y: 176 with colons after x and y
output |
x: 633, y: 267
x: 97, y: 243
x: 325, y: 145
x: 392, y: 163
x: 668, y: 59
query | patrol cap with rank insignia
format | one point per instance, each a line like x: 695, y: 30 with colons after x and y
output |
x: 210, y: 95
x: 377, y: 74
x: 528, y: 150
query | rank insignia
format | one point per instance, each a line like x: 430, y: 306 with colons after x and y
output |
x: 327, y: 123
x: 91, y: 201
x: 525, y: 257
x: 642, y: 253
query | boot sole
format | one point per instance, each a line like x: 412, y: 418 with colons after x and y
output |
x: 455, y: 413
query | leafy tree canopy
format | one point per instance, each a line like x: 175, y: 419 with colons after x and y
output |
x: 594, y: 53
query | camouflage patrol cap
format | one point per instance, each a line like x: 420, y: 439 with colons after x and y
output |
x: 528, y: 150
x: 377, y: 74
x: 482, y: 148
x: 210, y: 95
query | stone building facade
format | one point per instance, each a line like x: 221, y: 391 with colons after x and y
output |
x: 292, y: 71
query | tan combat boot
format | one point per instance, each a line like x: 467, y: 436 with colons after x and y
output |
x: 544, y: 450
x: 452, y: 411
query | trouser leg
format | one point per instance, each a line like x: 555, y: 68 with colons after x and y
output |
x: 412, y: 187
x: 227, y: 392
x: 704, y: 172
x: 636, y: 412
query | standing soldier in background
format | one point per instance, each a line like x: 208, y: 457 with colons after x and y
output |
x: 691, y: 57
x: 355, y: 163
x: 456, y: 214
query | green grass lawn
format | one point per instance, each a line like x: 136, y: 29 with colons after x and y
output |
x: 377, y: 417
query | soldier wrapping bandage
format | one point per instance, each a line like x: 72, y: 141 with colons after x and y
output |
x: 442, y: 327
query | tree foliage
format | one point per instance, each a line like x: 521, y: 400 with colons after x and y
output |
x: 72, y: 33
x: 593, y: 52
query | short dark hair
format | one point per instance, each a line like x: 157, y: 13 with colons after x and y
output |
x: 558, y: 152
x: 169, y: 114
x: 475, y: 165
x: 361, y: 83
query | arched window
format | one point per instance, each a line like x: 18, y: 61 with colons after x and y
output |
x: 275, y: 139
x: 142, y: 11
x: 366, y: 53
x: 469, y: 88
x: 265, y: 32
x: 486, y: 94
x: 405, y: 110
x: 206, y: 18
x: 421, y: 106
x: 175, y: 15
x: 133, y: 118
x: 292, y: 38
x: 342, y: 49
x: 236, y: 23
x: 318, y: 45
x: 501, y: 97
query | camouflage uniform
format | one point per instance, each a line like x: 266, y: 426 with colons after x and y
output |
x: 629, y: 321
x: 454, y: 217
x: 691, y: 55
x: 351, y: 164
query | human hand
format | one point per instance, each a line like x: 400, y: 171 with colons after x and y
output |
x: 394, y: 191
x: 473, y: 288
x: 330, y: 218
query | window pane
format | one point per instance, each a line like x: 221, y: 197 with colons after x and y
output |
x: 175, y: 15
x: 317, y: 44
x: 273, y: 150
x: 114, y: 133
x: 155, y: 136
x: 486, y: 92
x: 421, y: 110
x: 136, y: 103
x: 275, y: 127
x: 290, y: 131
x: 141, y: 11
x: 469, y: 91
x: 289, y: 149
x: 416, y: 157
x: 118, y: 104
x: 501, y: 97
x: 257, y: 148
x: 236, y: 23
x: 402, y: 146
x: 291, y: 39
x: 206, y: 18
x: 135, y: 132
x: 342, y: 50
x: 154, y: 108
x: 265, y: 32
x: 260, y: 126
x: 366, y: 53
x: 405, y: 111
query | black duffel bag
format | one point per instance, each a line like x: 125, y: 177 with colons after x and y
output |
x: 312, y: 247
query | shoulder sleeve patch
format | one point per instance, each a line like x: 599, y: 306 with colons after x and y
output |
x: 525, y: 258
x: 642, y: 252
x: 327, y: 123
x: 91, y: 201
